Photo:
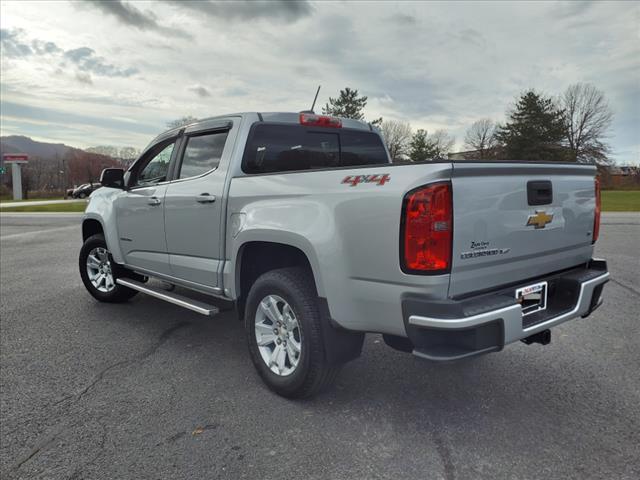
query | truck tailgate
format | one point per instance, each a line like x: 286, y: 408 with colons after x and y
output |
x: 508, y: 227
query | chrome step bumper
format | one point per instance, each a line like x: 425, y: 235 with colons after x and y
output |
x: 512, y: 316
x: 453, y: 329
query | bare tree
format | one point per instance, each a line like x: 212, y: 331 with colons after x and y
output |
x: 588, y: 118
x: 181, y: 121
x: 397, y: 136
x: 441, y: 142
x: 481, y: 137
x: 125, y: 155
x: 39, y: 175
x: 108, y: 150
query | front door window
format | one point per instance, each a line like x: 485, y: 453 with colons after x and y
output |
x: 157, y: 169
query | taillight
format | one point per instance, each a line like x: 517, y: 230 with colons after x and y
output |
x: 313, y: 120
x: 427, y: 229
x: 596, y: 219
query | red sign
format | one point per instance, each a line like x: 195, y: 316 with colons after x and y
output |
x: 15, y: 157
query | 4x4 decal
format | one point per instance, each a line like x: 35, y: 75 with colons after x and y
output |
x: 355, y: 180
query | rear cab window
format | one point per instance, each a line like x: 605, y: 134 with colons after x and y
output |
x: 275, y: 148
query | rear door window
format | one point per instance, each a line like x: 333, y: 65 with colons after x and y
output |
x: 281, y: 148
x: 202, y: 153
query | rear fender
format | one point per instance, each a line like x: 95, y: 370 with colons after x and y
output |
x: 273, y: 236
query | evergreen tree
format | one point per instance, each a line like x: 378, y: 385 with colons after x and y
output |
x: 535, y: 130
x: 348, y: 105
x: 420, y: 148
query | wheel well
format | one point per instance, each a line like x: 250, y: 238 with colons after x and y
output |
x: 256, y: 258
x: 91, y: 227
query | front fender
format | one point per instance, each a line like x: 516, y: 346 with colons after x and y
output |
x: 101, y: 208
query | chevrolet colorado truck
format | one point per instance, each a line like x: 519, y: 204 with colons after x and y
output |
x: 301, y: 223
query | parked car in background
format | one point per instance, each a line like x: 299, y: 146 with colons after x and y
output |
x: 84, y: 190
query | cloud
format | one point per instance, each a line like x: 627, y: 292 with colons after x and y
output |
x: 284, y: 10
x: 403, y: 19
x: 199, y: 90
x: 12, y: 47
x: 56, y: 115
x: 84, y: 78
x: 471, y: 36
x: 131, y: 16
x: 236, y: 92
x: 571, y: 9
x: 79, y: 54
x: 86, y: 61
x: 84, y: 57
x: 43, y: 48
x: 432, y: 64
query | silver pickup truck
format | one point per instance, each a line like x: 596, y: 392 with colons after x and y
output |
x: 302, y: 224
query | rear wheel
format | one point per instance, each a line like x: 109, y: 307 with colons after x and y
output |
x: 99, y: 272
x: 282, y: 323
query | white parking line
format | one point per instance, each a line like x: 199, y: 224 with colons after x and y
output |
x: 41, y: 214
x: 38, y: 232
x: 38, y: 202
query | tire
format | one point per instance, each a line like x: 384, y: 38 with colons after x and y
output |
x: 106, y: 291
x: 82, y: 195
x: 312, y: 373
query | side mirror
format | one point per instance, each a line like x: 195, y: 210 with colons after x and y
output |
x: 112, y: 177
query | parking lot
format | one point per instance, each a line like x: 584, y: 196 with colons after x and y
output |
x: 148, y: 390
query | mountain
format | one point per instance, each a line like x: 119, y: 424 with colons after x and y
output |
x: 55, y: 165
x: 21, y: 144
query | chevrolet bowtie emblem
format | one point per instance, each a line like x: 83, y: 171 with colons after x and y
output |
x: 540, y: 219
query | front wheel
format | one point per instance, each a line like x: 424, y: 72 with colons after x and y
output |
x: 99, y: 272
x: 282, y: 323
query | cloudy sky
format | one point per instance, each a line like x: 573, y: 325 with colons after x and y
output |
x: 90, y: 73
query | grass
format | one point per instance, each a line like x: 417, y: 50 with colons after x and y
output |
x: 59, y: 207
x: 621, y: 200
x: 11, y: 200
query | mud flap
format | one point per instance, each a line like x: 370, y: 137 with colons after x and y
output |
x: 340, y: 345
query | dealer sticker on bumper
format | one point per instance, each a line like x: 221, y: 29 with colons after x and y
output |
x: 532, y: 298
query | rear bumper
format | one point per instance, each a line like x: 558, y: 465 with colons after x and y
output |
x: 455, y: 329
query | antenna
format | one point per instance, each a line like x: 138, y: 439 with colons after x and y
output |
x: 315, y: 98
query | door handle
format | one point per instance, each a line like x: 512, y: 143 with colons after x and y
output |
x: 539, y: 192
x: 205, y: 198
x: 154, y: 201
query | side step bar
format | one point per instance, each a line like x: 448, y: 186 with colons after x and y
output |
x: 199, y: 307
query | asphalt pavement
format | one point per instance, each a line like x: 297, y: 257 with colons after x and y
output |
x: 148, y: 390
